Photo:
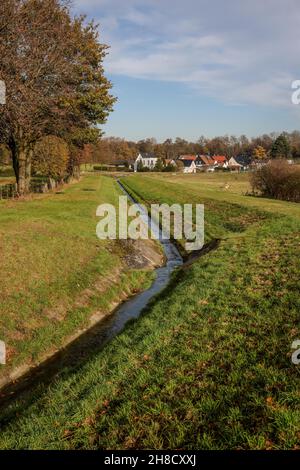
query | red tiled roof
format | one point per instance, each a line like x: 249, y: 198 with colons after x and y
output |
x: 206, y: 160
x: 219, y: 158
x: 188, y: 157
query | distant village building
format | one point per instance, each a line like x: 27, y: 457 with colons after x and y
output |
x: 189, y: 166
x: 170, y: 162
x: 147, y: 160
x: 220, y: 161
x: 233, y: 165
x: 205, y: 163
x: 240, y: 163
x: 187, y: 157
x: 244, y: 160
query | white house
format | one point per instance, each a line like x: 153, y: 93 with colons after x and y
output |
x: 189, y: 166
x: 220, y: 161
x: 234, y: 165
x: 148, y: 160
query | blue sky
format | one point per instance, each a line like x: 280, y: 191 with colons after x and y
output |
x: 199, y: 67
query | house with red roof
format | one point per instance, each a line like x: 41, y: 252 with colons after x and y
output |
x: 220, y: 161
x: 205, y: 163
x: 187, y: 157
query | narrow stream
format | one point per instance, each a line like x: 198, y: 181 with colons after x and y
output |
x: 94, y: 339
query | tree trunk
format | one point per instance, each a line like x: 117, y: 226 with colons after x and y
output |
x: 13, y: 149
x: 28, y: 169
x: 21, y: 155
x: 22, y: 172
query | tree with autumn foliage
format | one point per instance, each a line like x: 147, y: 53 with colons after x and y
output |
x: 50, y: 157
x: 55, y: 84
x: 260, y: 153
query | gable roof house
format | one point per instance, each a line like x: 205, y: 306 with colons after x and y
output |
x: 148, y: 160
x: 233, y: 165
x: 244, y: 160
x: 187, y: 157
x: 189, y: 166
x: 240, y: 163
x: 220, y: 161
x: 205, y: 162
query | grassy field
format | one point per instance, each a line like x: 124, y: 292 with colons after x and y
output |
x: 54, y: 272
x: 229, y: 187
x: 208, y: 366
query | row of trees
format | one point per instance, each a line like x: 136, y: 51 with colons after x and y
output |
x: 51, y: 155
x: 52, y: 65
x: 110, y: 150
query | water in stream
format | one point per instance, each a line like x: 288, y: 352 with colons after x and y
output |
x: 94, y: 339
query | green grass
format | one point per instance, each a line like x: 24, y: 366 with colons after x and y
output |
x: 208, y: 366
x: 54, y: 270
x: 214, y: 185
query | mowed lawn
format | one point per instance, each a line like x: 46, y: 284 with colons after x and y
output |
x: 208, y: 366
x: 54, y: 271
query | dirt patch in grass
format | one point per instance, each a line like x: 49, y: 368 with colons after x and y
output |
x: 142, y: 254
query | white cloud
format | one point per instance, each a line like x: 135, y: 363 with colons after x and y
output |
x: 238, y: 52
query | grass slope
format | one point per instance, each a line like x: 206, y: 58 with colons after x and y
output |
x: 209, y: 364
x: 54, y: 271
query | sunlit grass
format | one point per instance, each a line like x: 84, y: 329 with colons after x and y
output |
x: 49, y: 256
x: 208, y: 366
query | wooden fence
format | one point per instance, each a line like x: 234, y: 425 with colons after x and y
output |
x: 8, y: 191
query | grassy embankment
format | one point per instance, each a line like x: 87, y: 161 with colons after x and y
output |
x: 209, y: 364
x: 54, y: 272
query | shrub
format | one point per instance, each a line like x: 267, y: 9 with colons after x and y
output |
x: 169, y: 168
x: 101, y: 168
x: 51, y: 155
x: 278, y: 180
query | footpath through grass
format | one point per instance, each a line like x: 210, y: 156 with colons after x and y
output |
x: 54, y: 271
x: 208, y: 366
